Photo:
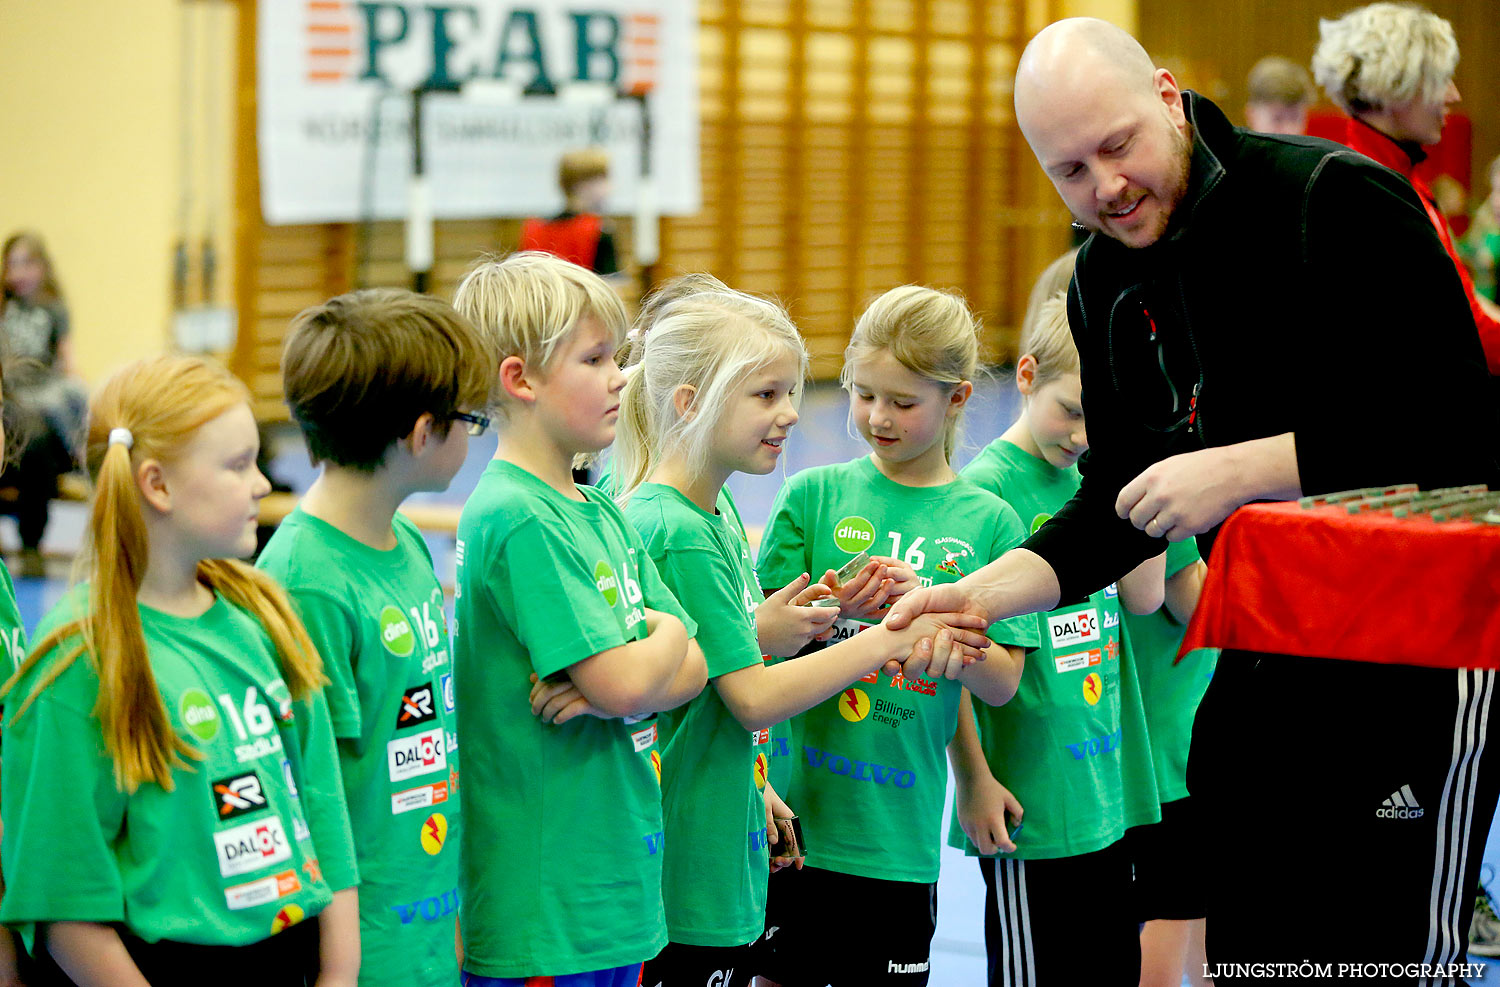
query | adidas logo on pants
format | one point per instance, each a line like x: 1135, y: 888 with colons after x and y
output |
x: 1401, y: 805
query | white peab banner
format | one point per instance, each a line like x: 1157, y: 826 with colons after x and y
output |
x: 506, y: 88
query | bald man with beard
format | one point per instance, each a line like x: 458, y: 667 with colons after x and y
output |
x: 1247, y: 311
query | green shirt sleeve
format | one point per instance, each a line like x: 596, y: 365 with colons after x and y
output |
x: 62, y: 814
x: 656, y: 593
x: 559, y: 615
x: 1019, y: 631
x: 706, y: 586
x: 321, y: 790
x: 1180, y: 555
x: 334, y: 630
x: 783, y: 546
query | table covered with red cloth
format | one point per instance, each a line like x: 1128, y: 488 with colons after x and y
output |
x: 1366, y: 587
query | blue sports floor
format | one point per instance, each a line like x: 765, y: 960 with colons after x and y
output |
x: 822, y: 436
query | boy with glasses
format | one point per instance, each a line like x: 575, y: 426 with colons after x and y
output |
x: 382, y: 384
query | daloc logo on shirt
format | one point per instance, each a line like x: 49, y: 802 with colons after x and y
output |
x: 604, y: 579
x: 396, y: 633
x: 853, y: 534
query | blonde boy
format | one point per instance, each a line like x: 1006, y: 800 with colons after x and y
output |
x: 561, y: 857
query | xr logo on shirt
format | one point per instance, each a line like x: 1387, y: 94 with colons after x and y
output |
x: 761, y: 767
x: 1093, y: 688
x: 854, y: 705
x: 416, y: 706
x: 237, y: 795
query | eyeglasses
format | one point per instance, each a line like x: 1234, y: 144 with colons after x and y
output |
x: 477, y: 423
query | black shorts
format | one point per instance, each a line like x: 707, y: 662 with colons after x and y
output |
x: 289, y: 958
x: 1345, y: 807
x: 701, y: 966
x: 1168, y: 863
x: 823, y: 927
x: 1065, y: 921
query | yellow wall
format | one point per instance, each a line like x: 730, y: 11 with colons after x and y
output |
x: 1122, y: 13
x: 93, y: 156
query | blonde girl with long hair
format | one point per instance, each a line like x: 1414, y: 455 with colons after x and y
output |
x: 784, y: 623
x: 870, y: 781
x: 714, y: 393
x: 172, y: 798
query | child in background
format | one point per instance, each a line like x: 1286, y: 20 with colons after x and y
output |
x: 384, y: 384
x: 714, y: 394
x: 46, y: 413
x: 579, y: 233
x: 870, y: 781
x: 1480, y: 246
x: 172, y: 802
x: 12, y: 632
x: 1072, y: 746
x: 561, y: 848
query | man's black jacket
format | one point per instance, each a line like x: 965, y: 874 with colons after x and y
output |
x: 1299, y: 288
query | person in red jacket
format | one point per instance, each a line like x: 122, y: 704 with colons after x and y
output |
x: 1390, y: 67
x: 579, y: 233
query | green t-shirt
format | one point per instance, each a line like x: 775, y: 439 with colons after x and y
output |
x: 872, y: 775
x: 778, y: 737
x: 1072, y: 744
x: 12, y: 629
x: 1170, y: 692
x: 251, y: 839
x: 560, y: 853
x: 377, y: 620
x: 715, y: 868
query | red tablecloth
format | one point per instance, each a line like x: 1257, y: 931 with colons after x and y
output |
x: 1367, y: 587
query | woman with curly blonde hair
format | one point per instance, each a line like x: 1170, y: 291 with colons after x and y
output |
x: 1390, y: 67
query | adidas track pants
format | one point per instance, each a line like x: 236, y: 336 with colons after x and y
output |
x: 1066, y: 921
x: 1345, y: 808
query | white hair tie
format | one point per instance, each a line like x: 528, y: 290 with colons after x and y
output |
x: 121, y: 436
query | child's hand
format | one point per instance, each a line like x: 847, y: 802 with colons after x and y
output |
x: 777, y: 809
x: 559, y: 702
x: 784, y: 624
x: 865, y: 595
x: 943, y: 646
x: 982, y: 806
x: 903, y: 577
